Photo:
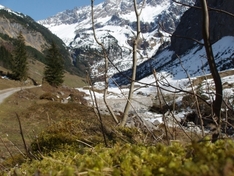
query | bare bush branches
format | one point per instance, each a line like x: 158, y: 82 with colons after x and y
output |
x: 106, y: 67
x: 134, y: 62
x: 209, y: 8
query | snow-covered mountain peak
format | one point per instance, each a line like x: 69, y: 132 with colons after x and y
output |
x: 113, y: 2
x: 115, y: 24
x: 1, y: 7
x: 114, y: 13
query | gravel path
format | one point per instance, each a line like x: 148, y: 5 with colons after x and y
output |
x: 7, y: 92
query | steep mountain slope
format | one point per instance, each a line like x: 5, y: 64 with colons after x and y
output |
x: 12, y: 23
x: 193, y: 62
x: 185, y: 54
x: 115, y: 27
x: 37, y: 37
x: 115, y: 24
x: 221, y: 25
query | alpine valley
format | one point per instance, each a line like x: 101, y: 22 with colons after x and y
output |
x: 168, y: 41
x: 115, y: 24
x: 37, y: 40
x: 172, y: 123
x: 169, y: 31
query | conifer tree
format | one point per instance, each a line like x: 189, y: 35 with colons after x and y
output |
x: 19, y: 64
x: 54, y: 69
x: 5, y: 57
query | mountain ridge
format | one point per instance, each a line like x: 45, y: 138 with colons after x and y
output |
x: 115, y: 24
x: 37, y: 39
x: 186, y: 53
x: 116, y: 28
x: 191, y: 24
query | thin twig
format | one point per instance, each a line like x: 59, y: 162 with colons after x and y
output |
x: 7, y: 148
x: 106, y: 67
x: 195, y: 96
x: 209, y: 8
x: 84, y: 143
x: 22, y: 136
x: 98, y: 114
x: 141, y: 120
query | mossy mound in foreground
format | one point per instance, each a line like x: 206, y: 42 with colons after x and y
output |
x: 204, y: 158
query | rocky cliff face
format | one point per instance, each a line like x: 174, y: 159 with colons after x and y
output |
x: 32, y: 38
x: 191, y: 24
x: 37, y: 37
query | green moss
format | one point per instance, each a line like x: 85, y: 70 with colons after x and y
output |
x: 198, y: 159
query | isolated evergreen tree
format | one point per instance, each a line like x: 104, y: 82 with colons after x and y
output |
x: 19, y: 64
x: 54, y: 69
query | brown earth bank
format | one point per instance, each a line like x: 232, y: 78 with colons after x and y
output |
x: 37, y: 108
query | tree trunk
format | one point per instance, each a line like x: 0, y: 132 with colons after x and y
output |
x: 213, y: 69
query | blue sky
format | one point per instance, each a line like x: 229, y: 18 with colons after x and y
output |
x: 41, y: 9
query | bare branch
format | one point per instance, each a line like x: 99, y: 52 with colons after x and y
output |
x: 23, y: 139
x: 209, y: 8
x: 134, y: 65
x: 106, y: 68
x: 195, y: 96
x: 98, y: 114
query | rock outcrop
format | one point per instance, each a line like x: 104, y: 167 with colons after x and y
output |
x: 190, y: 26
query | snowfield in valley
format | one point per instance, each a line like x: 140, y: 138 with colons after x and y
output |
x: 145, y: 96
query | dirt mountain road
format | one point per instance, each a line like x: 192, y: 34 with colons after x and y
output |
x: 7, y: 92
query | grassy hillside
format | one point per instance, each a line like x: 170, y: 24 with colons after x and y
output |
x: 35, y: 71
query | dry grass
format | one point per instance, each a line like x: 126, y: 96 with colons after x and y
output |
x: 37, y: 114
x: 35, y: 72
x: 28, y: 105
x: 4, y: 84
x: 74, y: 81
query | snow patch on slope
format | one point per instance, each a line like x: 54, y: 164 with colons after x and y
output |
x: 65, y: 32
x: 144, y: 96
x: 223, y: 52
x: 149, y: 13
x: 11, y: 11
x: 193, y: 63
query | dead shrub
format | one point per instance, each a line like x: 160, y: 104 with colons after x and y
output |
x: 48, y: 96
